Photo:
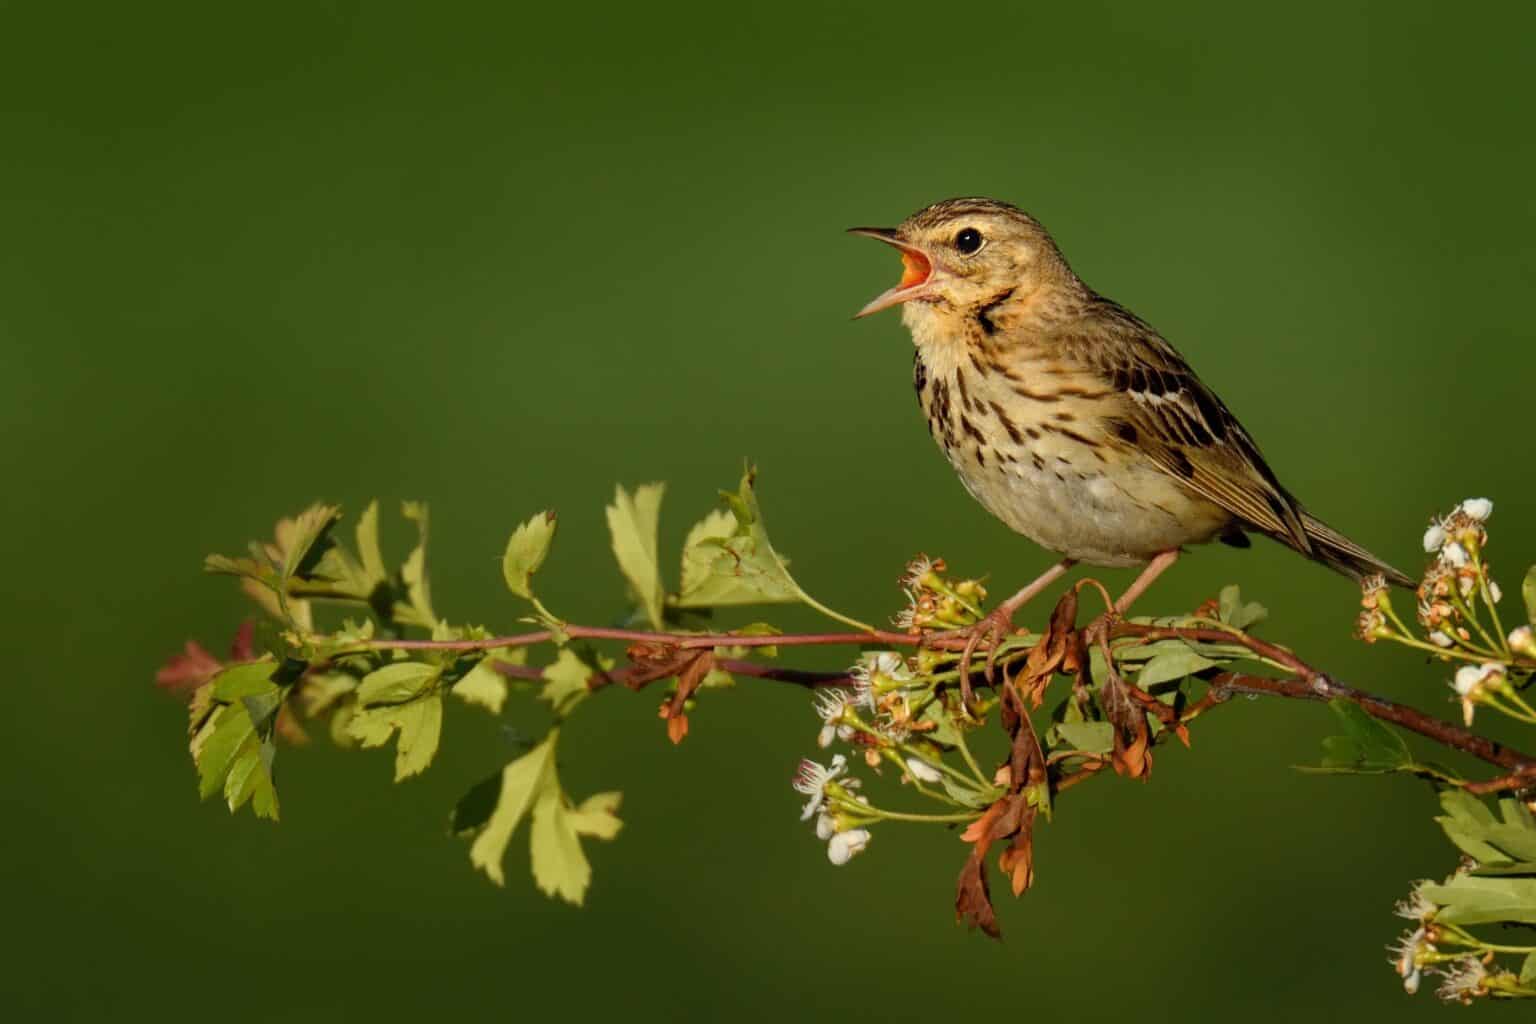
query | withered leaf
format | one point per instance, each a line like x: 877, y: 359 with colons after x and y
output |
x: 973, y: 898
x: 1131, y: 754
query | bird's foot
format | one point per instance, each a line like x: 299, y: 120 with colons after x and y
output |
x: 987, y: 634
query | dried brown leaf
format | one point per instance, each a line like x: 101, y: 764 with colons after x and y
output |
x: 973, y: 899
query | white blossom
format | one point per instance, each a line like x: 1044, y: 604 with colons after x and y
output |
x: 1464, y: 981
x: 1440, y: 638
x: 1476, y: 508
x: 919, y: 567
x: 1405, y: 955
x: 847, y: 845
x: 1434, y: 537
x: 826, y: 826
x: 1416, y: 907
x: 1454, y: 555
x: 887, y: 664
x: 1495, y: 592
x: 922, y: 771
x: 1523, y: 640
x: 1469, y: 682
x: 1470, y: 677
x: 831, y: 706
x: 811, y: 779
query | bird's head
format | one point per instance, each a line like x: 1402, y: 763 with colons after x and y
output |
x: 965, y: 253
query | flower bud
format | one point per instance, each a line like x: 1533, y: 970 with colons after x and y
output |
x: 1476, y: 508
x: 1454, y: 555
x: 844, y: 846
x: 1434, y: 537
x: 1522, y: 641
x: 922, y: 771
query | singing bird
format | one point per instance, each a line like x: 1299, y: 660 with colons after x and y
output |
x: 1069, y: 417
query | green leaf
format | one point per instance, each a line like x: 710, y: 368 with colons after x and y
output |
x: 245, y: 680
x: 969, y: 795
x: 404, y: 697
x: 741, y: 568
x: 1174, y: 664
x: 944, y: 730
x: 1471, y: 825
x: 250, y: 778
x: 702, y: 546
x: 233, y: 756
x: 560, y: 867
x: 222, y: 735
x: 368, y: 549
x: 1092, y: 737
x: 1237, y: 614
x: 1528, y: 971
x: 1479, y: 899
x: 1519, y: 867
x: 522, y: 782
x: 565, y: 681
x: 633, y: 520
x: 397, y: 683
x: 416, y: 609
x: 1528, y: 591
x: 1464, y: 807
x: 1368, y: 747
x: 419, y: 723
x: 483, y: 685
x: 495, y: 807
x: 249, y: 568
x: 598, y: 815
x: 305, y: 538
x: 526, y: 551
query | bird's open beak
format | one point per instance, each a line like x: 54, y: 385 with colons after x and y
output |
x: 916, y: 275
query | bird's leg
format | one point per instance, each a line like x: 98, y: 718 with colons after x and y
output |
x: 1099, y: 628
x: 1155, y: 568
x: 996, y: 624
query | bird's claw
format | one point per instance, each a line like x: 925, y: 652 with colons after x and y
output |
x: 994, y: 629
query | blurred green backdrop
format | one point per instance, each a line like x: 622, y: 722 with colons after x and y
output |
x: 500, y: 256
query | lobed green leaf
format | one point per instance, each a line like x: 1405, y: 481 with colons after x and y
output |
x: 526, y: 551
x: 633, y: 522
x: 1528, y: 591
x: 1479, y: 899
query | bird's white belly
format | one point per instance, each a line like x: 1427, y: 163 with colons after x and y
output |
x: 1077, y: 510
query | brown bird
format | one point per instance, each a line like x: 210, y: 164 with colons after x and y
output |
x: 1069, y: 417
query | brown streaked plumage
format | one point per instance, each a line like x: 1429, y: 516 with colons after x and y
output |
x: 1070, y: 418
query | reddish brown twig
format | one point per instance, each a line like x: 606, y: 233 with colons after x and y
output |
x: 1305, y: 683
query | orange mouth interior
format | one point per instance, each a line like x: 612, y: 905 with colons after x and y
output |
x: 915, y: 268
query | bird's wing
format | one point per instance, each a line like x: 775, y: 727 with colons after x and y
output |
x: 1162, y: 411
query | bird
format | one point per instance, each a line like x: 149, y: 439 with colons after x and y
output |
x: 1070, y: 418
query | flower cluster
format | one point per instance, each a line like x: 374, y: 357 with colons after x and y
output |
x: 879, y: 715
x: 884, y: 684
x: 1456, y: 603
x: 1415, y: 949
x: 1479, y: 684
x: 1457, y: 574
x: 1466, y: 969
x: 934, y: 601
x: 830, y: 793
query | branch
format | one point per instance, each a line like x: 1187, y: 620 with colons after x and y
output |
x: 1522, y: 767
x: 1305, y: 683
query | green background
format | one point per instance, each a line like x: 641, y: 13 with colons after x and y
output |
x: 498, y: 258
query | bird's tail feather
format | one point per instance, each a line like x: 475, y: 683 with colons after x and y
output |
x: 1341, y: 554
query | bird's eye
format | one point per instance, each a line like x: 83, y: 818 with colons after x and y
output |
x: 968, y: 241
